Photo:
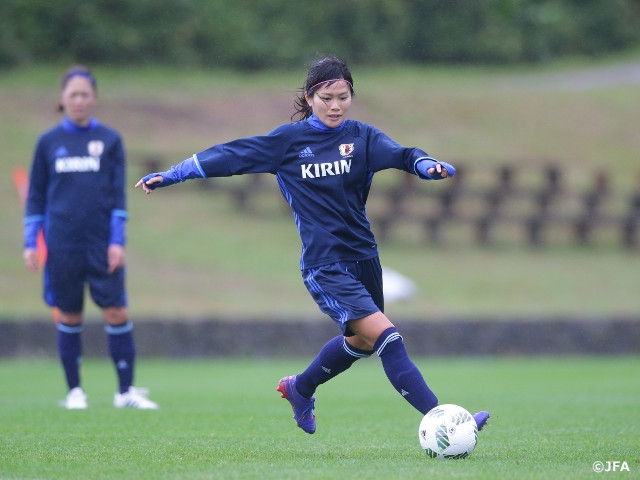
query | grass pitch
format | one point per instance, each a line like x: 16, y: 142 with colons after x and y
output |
x: 551, y: 418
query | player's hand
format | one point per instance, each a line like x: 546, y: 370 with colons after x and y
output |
x: 438, y: 170
x: 148, y: 183
x: 30, y: 256
x: 115, y: 257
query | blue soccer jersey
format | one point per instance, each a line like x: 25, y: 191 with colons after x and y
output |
x: 77, y: 187
x: 324, y: 174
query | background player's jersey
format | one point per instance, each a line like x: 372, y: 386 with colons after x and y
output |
x: 77, y: 182
x: 325, y: 176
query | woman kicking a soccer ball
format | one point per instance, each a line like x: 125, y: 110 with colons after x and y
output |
x: 324, y: 165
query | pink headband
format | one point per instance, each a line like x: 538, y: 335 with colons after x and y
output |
x: 329, y: 81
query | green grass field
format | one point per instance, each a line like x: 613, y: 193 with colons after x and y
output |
x: 551, y: 418
x: 191, y: 256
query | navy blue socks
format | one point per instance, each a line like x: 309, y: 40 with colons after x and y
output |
x: 121, y: 349
x: 70, y: 352
x: 335, y: 357
x: 402, y: 372
x: 123, y: 353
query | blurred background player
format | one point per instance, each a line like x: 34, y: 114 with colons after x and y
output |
x: 324, y: 165
x: 76, y: 194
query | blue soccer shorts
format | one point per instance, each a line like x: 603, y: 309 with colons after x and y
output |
x: 67, y: 272
x: 346, y: 290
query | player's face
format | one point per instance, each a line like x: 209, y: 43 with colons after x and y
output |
x: 78, y: 100
x: 330, y: 103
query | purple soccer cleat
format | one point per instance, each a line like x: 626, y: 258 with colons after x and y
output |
x: 302, y: 407
x: 481, y: 419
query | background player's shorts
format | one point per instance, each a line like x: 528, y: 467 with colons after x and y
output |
x: 347, y: 290
x: 67, y: 272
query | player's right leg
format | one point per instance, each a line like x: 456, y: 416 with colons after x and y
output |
x: 302, y: 406
x: 69, y: 343
x: 340, y: 295
x: 335, y: 357
x: 64, y: 289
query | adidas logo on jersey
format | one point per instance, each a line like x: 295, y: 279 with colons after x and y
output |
x: 306, y: 153
x: 61, y: 152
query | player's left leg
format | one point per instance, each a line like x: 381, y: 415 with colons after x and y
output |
x: 401, y: 371
x: 123, y: 353
x: 108, y: 292
x: 121, y: 344
x: 481, y: 419
x: 377, y: 330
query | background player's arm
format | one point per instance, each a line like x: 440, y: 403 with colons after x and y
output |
x: 115, y: 257
x: 119, y: 215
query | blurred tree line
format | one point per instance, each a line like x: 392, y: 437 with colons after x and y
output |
x: 257, y: 34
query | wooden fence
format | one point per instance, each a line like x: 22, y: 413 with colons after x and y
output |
x: 527, y: 205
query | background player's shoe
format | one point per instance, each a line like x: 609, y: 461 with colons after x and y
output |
x: 302, y: 407
x: 134, y: 398
x: 481, y: 419
x: 76, y: 399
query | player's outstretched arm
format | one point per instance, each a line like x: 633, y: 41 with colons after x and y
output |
x: 437, y: 171
x: 431, y: 169
x: 149, y: 185
x: 183, y: 171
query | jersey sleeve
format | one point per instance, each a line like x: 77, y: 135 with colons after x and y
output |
x: 386, y: 153
x: 118, y: 176
x: 119, y: 213
x: 38, y: 179
x: 259, y: 154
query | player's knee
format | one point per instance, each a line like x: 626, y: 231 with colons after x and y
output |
x: 115, y: 315
x: 388, y: 340
x: 70, y: 319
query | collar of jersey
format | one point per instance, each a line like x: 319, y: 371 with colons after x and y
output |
x: 318, y: 125
x: 69, y: 126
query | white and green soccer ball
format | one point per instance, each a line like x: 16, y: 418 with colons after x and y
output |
x: 448, y: 431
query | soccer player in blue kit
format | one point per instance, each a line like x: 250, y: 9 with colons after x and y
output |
x: 324, y: 165
x: 77, y: 195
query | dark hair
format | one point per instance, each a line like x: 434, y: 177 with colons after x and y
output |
x: 77, y: 71
x: 321, y: 73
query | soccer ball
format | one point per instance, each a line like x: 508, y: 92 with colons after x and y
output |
x: 448, y: 431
